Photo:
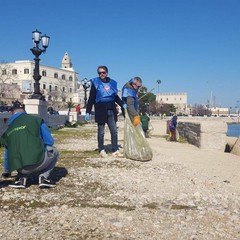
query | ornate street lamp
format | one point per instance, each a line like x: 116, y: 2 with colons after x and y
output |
x: 37, y: 38
x: 86, y: 84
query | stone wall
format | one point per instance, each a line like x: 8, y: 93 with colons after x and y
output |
x: 191, y: 132
x: 205, y: 134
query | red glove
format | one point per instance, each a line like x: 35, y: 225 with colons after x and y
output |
x: 136, y: 121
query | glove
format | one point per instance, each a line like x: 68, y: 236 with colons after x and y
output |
x: 136, y: 121
x: 125, y: 106
x: 87, y: 117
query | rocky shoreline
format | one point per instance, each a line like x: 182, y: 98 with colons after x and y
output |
x: 174, y: 196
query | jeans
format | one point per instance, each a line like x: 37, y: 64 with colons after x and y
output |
x: 113, y: 131
x: 45, y: 167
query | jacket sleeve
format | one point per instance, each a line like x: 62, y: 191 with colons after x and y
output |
x: 130, y: 107
x: 119, y: 101
x: 46, y: 135
x: 91, y: 99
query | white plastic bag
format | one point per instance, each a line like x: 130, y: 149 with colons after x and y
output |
x: 136, y: 146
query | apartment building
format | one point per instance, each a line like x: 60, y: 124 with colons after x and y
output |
x: 56, y: 84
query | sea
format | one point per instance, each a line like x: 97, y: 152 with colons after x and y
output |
x: 233, y: 130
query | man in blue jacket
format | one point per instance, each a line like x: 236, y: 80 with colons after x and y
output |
x: 28, y: 148
x: 130, y: 99
x: 104, y: 96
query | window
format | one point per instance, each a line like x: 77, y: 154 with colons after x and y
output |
x: 26, y: 71
x: 63, y: 77
x: 44, y: 73
x: 166, y: 99
x: 14, y: 71
x: 4, y: 72
x: 63, y: 88
x: 50, y: 88
x: 70, y: 89
x: 55, y: 88
x: 70, y: 78
x: 55, y: 75
x: 44, y: 86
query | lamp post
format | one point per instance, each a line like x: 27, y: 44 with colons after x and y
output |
x: 86, y: 84
x: 37, y: 38
x: 229, y: 112
x: 158, y: 82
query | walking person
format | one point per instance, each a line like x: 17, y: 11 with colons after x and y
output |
x: 104, y: 96
x: 130, y: 99
x: 28, y: 148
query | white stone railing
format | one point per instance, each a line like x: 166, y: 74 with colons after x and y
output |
x: 53, y: 121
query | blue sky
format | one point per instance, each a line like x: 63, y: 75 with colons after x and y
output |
x: 192, y: 46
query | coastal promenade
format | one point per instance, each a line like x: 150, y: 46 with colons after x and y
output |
x: 184, y: 193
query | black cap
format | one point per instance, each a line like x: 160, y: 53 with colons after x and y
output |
x: 17, y: 105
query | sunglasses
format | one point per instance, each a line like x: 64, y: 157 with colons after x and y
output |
x: 137, y: 85
x: 101, y: 73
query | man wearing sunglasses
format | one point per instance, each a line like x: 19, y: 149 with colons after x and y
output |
x: 104, y: 96
x: 130, y: 98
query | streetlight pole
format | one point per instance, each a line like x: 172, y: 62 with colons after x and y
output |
x: 86, y: 84
x: 37, y: 38
x: 158, y: 82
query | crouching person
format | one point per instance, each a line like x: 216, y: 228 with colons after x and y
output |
x: 28, y: 148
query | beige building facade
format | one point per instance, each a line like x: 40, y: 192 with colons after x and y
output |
x: 179, y: 100
x: 56, y: 84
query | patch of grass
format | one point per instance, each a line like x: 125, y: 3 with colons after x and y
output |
x: 152, y: 205
x: 182, y: 207
x: 83, y: 159
x: 112, y: 206
x: 182, y: 140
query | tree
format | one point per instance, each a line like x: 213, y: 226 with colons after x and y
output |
x: 161, y: 108
x: 200, y: 110
x: 9, y: 87
x: 145, y: 98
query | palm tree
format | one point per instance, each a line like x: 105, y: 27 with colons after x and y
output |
x: 158, y: 82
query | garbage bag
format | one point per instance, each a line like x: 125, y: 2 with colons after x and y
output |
x: 135, y: 146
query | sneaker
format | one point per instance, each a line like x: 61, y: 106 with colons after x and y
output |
x: 19, y: 183
x: 103, y: 153
x: 6, y: 174
x: 117, y: 154
x: 46, y: 183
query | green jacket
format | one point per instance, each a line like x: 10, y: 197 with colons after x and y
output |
x: 22, y: 138
x: 145, y: 121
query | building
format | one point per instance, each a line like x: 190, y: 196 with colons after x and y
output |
x: 56, y: 84
x: 219, y: 111
x: 179, y: 100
